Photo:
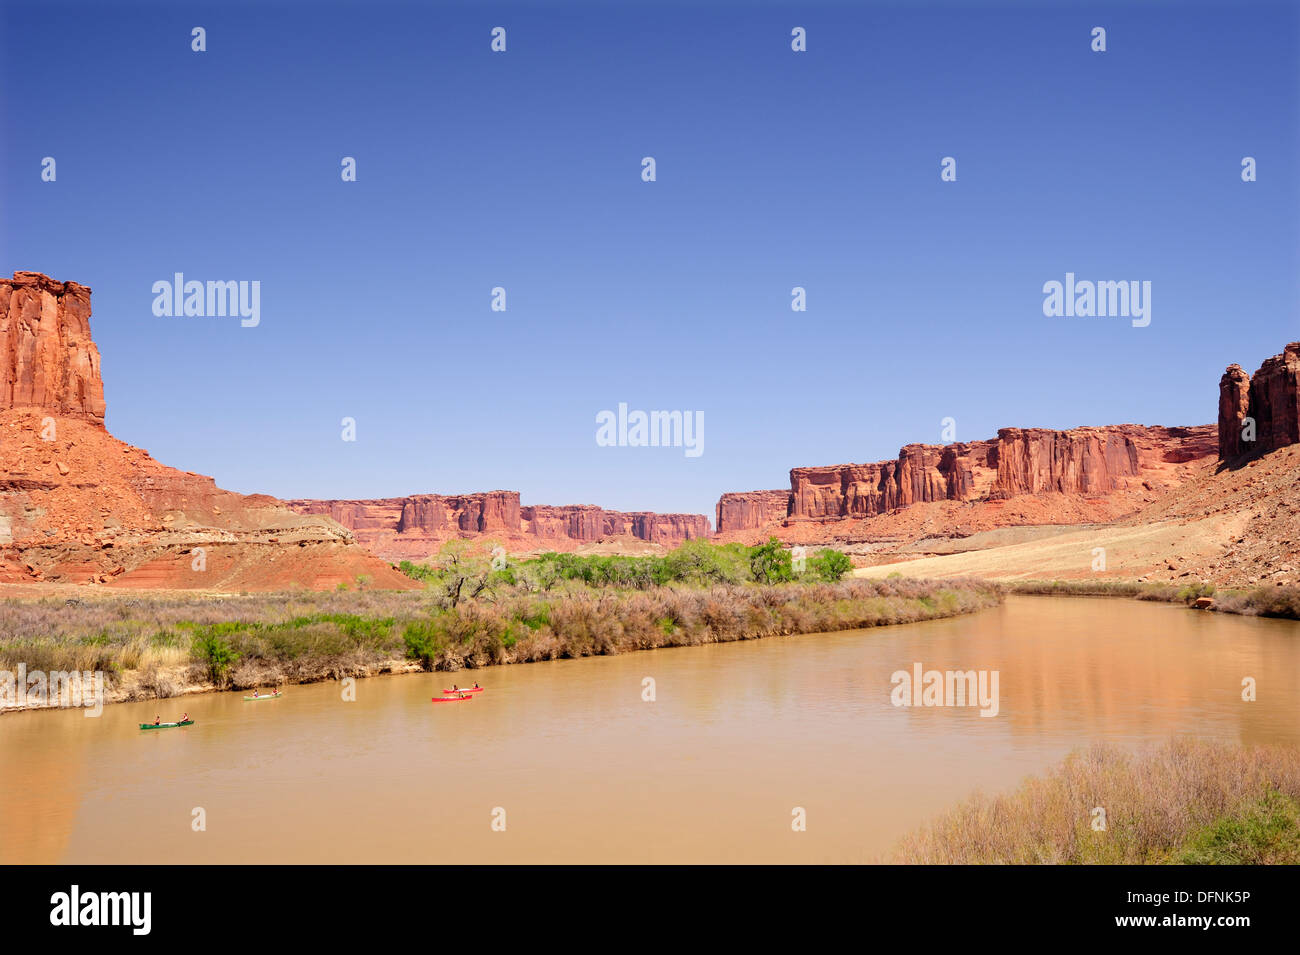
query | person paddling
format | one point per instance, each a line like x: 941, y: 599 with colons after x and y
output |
x: 157, y: 720
x: 185, y: 717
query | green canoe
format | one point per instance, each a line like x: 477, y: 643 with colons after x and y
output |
x: 164, y: 726
x: 259, y: 699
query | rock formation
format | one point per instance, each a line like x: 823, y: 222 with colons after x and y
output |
x: 1234, y: 399
x: 79, y: 506
x: 1020, y: 462
x: 415, y: 527
x: 1271, y: 398
x: 47, y: 358
x: 745, y: 510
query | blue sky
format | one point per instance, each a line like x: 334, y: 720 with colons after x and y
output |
x: 523, y: 170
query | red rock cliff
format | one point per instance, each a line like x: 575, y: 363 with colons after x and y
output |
x: 47, y: 359
x: 1081, y: 461
x: 416, y: 526
x: 1271, y: 397
x: 744, y: 510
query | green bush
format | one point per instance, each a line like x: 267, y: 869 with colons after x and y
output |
x: 829, y: 565
x: 1261, y: 833
x: 424, y: 640
x: 214, y: 652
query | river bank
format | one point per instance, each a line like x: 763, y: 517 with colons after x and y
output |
x: 162, y: 647
x: 1280, y: 602
x: 739, y: 735
x: 1188, y: 801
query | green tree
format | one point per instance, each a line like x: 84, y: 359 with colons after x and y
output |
x: 770, y: 563
x: 829, y: 564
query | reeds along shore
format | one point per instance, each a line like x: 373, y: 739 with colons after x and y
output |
x: 1283, y: 602
x: 1186, y: 801
x: 156, y: 647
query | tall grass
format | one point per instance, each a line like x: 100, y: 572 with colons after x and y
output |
x: 1257, y: 602
x: 247, y: 641
x: 1183, y: 801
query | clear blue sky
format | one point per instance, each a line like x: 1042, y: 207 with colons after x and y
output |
x: 522, y: 170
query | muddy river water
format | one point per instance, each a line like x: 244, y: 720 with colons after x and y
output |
x: 567, y: 762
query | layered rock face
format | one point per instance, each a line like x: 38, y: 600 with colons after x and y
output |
x: 415, y: 527
x: 921, y: 472
x: 1079, y: 461
x: 587, y: 523
x: 745, y: 510
x: 47, y: 359
x: 1271, y: 397
x: 1021, y: 461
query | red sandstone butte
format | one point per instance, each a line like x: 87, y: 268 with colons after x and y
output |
x: 47, y: 359
x: 79, y: 506
x: 1271, y: 397
x: 416, y: 526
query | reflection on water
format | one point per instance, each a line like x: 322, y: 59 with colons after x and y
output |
x: 739, y: 735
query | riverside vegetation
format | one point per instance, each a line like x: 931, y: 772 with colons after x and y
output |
x: 1273, y: 601
x: 1185, y: 802
x: 473, y: 612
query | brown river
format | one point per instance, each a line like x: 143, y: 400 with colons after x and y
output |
x: 572, y: 765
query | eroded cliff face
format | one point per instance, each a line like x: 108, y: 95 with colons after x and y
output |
x: 1271, y: 397
x: 48, y: 361
x: 415, y: 527
x: 1021, y: 461
x: 1234, y: 399
x: 745, y: 510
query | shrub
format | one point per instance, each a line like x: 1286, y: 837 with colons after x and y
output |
x: 829, y: 565
x: 425, y: 640
x: 215, y: 653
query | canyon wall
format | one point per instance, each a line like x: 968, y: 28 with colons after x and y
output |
x: 415, y: 527
x: 745, y: 510
x: 1271, y: 397
x: 1020, y: 461
x: 48, y: 361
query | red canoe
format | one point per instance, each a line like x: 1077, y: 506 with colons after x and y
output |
x: 467, y: 689
x: 451, y: 699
